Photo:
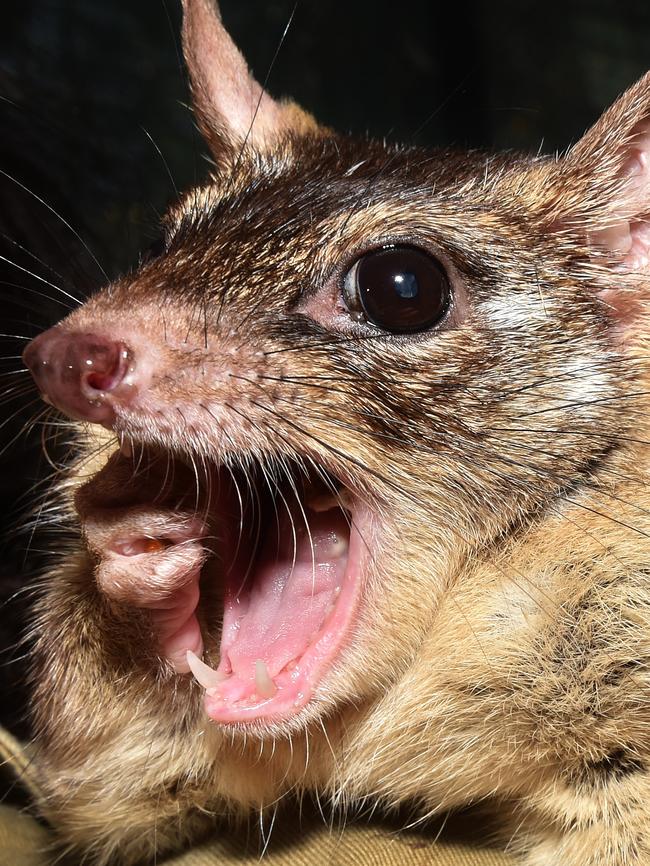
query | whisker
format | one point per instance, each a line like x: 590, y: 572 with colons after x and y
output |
x: 578, y: 404
x: 58, y: 216
x: 37, y: 277
x: 164, y: 161
x: 26, y: 303
x: 326, y: 344
x: 39, y: 261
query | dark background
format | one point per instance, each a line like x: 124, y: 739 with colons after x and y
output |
x: 93, y: 121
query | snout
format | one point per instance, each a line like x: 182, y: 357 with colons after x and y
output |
x: 82, y: 374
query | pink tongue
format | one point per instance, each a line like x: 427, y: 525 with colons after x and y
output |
x: 283, y: 603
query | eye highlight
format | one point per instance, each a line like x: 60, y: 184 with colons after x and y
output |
x: 399, y: 289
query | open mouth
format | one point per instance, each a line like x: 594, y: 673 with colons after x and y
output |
x: 292, y: 555
x: 271, y: 559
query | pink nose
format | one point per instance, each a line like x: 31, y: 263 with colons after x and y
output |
x: 81, y: 374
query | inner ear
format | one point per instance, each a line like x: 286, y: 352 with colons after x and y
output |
x: 600, y: 191
x: 233, y: 111
x: 626, y: 236
x: 596, y: 201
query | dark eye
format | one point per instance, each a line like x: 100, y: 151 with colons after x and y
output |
x: 398, y: 289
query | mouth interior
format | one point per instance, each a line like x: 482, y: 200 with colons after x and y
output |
x: 291, y: 577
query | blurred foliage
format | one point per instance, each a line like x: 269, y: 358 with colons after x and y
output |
x: 95, y: 125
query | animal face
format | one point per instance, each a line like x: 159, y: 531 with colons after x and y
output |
x: 354, y: 373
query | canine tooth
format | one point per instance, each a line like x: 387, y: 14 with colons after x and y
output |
x: 203, y: 674
x: 125, y: 448
x: 264, y: 685
x: 338, y: 547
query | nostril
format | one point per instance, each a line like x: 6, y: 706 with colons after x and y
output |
x: 102, y: 364
x: 99, y: 381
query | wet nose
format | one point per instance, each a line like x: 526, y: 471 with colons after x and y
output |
x: 81, y: 374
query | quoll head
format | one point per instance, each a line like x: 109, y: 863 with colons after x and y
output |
x: 405, y: 351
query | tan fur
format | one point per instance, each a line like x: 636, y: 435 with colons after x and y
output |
x: 502, y: 647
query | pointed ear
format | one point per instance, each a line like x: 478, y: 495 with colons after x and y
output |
x: 602, y: 185
x: 233, y: 111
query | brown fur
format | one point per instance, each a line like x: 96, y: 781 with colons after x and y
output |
x: 503, y: 644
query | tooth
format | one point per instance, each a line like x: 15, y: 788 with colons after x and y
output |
x: 264, y: 685
x: 46, y: 399
x: 338, y: 547
x: 323, y: 503
x: 204, y: 674
x: 153, y: 545
x: 125, y: 448
x: 341, y: 499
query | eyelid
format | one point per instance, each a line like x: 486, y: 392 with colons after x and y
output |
x: 326, y: 303
x: 350, y: 292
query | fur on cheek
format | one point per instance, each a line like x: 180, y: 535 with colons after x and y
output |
x: 497, y: 644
